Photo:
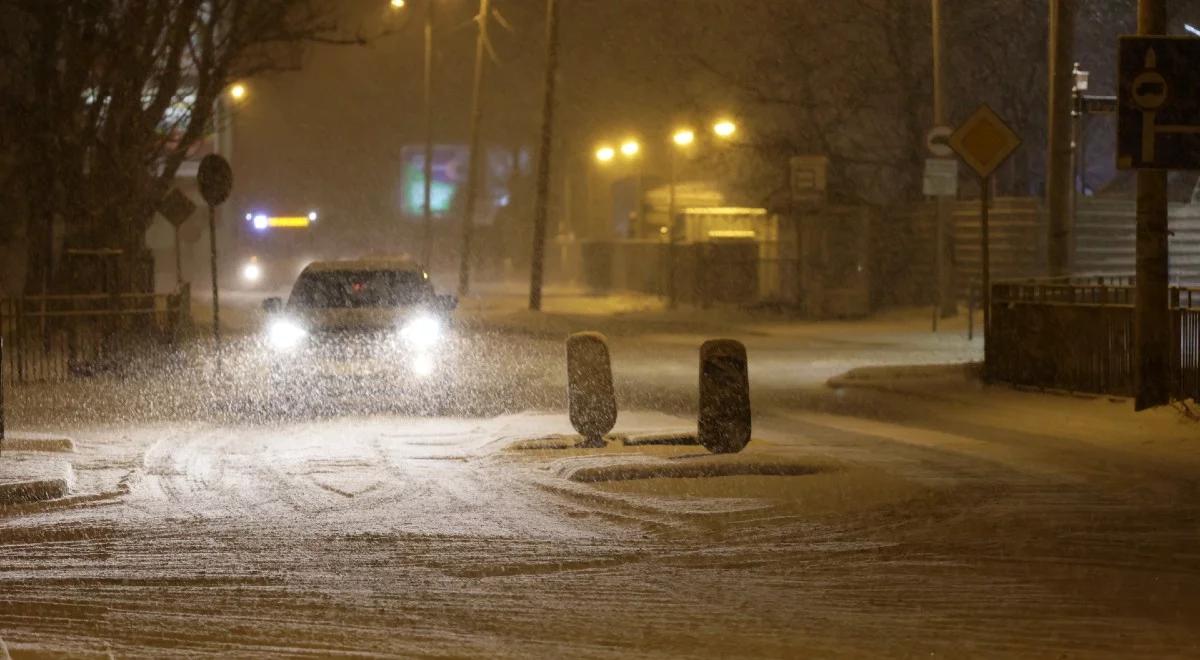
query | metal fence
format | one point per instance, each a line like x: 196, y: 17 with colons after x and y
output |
x: 1077, y: 335
x: 54, y: 337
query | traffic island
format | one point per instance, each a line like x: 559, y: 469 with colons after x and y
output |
x: 29, y: 477
x: 559, y: 442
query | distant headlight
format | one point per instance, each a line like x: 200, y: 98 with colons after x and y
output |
x: 252, y: 272
x: 285, y: 335
x: 422, y: 332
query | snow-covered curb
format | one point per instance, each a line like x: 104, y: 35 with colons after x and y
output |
x: 25, y: 479
x: 893, y: 378
x: 29, y: 442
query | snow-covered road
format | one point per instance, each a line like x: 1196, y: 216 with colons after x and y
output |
x: 953, y: 523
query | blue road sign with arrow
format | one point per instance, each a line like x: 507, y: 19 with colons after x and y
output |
x: 1158, y: 99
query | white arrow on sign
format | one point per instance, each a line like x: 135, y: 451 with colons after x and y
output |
x: 937, y: 141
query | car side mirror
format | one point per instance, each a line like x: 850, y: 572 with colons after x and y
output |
x: 272, y: 305
x: 446, y: 303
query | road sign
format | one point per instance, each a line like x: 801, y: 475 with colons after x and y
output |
x: 809, y: 179
x: 984, y: 141
x: 941, y: 177
x: 937, y: 141
x: 215, y: 178
x: 176, y: 207
x: 1096, y: 105
x: 191, y: 231
x: 1158, y: 103
x: 159, y: 236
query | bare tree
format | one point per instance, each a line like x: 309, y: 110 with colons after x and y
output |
x: 108, y: 99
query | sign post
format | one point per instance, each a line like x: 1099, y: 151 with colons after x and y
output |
x: 1158, y: 129
x: 984, y: 142
x: 177, y: 208
x: 940, y: 182
x: 216, y: 179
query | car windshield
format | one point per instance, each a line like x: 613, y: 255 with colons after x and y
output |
x: 359, y: 289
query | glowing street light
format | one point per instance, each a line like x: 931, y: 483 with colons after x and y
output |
x: 397, y: 4
x: 630, y: 148
x: 605, y: 154
x: 724, y: 128
x: 684, y: 137
x: 238, y: 91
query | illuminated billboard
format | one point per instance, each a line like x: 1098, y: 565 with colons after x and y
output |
x: 449, y: 176
x: 450, y: 166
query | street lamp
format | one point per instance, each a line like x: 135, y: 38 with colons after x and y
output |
x: 630, y: 148
x: 237, y: 92
x: 397, y: 4
x: 724, y: 128
x: 605, y: 154
x: 684, y: 137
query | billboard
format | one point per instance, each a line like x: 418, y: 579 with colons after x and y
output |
x: 501, y: 168
x: 449, y: 177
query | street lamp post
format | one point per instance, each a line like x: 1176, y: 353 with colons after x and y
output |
x: 683, y: 139
x: 427, y: 160
x: 631, y: 149
x: 427, y: 206
x: 1079, y: 85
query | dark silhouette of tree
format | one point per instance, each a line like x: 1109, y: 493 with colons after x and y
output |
x: 104, y: 100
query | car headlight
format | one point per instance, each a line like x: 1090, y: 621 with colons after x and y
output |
x: 422, y: 332
x: 252, y: 272
x: 285, y: 335
x: 423, y: 365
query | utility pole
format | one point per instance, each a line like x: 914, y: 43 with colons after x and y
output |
x: 946, y: 304
x: 537, y: 266
x: 672, y: 294
x: 1152, y: 316
x: 1059, y: 183
x: 473, y: 169
x: 427, y: 210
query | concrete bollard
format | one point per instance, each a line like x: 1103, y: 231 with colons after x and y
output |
x: 724, y: 424
x: 590, y: 396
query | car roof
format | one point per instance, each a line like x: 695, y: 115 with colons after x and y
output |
x: 359, y: 265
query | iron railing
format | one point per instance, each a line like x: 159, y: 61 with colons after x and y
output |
x: 54, y: 337
x: 1076, y: 334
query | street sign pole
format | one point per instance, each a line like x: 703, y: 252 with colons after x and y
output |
x: 1151, y: 324
x: 216, y: 293
x: 178, y: 260
x: 215, y: 178
x: 1059, y: 183
x: 984, y: 141
x: 945, y: 305
x: 985, y: 264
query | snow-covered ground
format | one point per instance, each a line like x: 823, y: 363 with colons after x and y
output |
x: 899, y: 513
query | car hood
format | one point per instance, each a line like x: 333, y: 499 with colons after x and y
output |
x: 347, y: 319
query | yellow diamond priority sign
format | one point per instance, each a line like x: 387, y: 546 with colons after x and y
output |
x: 984, y: 141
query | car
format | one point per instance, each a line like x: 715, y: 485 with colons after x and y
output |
x: 350, y: 319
